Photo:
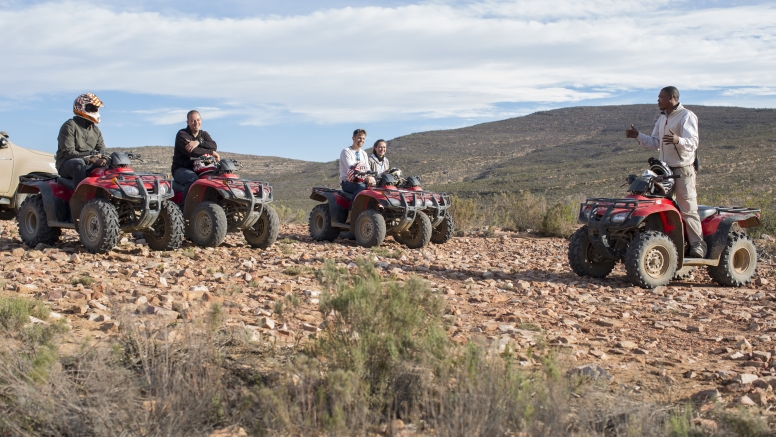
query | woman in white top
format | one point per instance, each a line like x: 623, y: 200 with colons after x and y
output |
x: 378, y: 162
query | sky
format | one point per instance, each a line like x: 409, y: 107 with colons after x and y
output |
x: 295, y: 78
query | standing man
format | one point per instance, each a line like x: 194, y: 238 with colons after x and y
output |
x: 378, y: 162
x: 191, y: 142
x: 78, y: 137
x: 675, y: 136
x: 353, y: 156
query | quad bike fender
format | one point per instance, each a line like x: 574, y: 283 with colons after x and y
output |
x: 718, y: 240
x: 57, y: 209
x: 198, y: 193
x: 339, y: 214
x: 360, y: 204
x: 84, y: 193
x: 671, y: 223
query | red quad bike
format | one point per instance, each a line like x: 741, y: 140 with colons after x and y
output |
x: 220, y: 202
x: 111, y: 200
x: 646, y: 232
x: 395, y: 206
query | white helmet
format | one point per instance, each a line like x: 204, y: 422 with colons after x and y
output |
x: 87, y: 106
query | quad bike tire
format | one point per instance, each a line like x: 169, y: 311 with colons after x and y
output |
x: 585, y: 259
x: 738, y: 262
x: 319, y: 224
x: 98, y: 226
x: 264, y: 232
x: 33, y: 223
x: 419, y: 232
x: 370, y: 228
x: 651, y: 260
x: 444, y: 231
x: 167, y: 231
x: 685, y: 272
x: 207, y: 225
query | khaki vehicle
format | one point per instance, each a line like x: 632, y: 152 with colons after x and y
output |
x: 16, y: 161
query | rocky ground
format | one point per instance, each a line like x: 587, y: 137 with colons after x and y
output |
x: 690, y: 340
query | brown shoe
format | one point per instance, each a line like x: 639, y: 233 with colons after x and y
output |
x: 698, y: 250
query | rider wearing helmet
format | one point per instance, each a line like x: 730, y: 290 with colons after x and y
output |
x: 675, y: 137
x: 78, y: 137
x: 191, y: 142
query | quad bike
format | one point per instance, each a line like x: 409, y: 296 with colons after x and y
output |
x: 111, y: 200
x: 645, y: 231
x: 14, y: 162
x: 395, y: 206
x: 220, y: 202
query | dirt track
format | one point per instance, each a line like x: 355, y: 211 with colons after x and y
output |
x: 665, y: 344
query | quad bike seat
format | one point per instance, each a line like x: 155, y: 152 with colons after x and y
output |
x: 346, y: 195
x: 706, y: 211
x: 68, y: 183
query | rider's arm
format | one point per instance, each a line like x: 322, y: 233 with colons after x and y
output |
x: 688, y: 136
x: 100, y: 146
x: 66, y: 141
x: 651, y: 142
x: 206, y: 147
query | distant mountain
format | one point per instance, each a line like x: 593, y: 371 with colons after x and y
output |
x: 579, y: 151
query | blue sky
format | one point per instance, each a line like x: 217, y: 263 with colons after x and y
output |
x: 293, y: 79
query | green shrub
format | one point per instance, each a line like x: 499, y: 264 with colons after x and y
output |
x: 15, y: 312
x: 560, y: 220
x: 521, y: 211
x: 288, y: 215
x: 466, y: 212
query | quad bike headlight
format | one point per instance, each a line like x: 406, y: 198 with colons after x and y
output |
x: 132, y: 191
x: 238, y: 192
x: 588, y: 211
x: 164, y: 189
x: 619, y: 217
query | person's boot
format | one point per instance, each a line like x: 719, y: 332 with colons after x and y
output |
x: 698, y: 250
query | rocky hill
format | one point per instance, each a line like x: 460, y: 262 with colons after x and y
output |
x: 568, y: 152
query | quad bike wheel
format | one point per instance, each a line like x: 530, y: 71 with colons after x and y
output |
x: 685, y: 272
x: 370, y: 228
x: 33, y: 223
x: 207, y: 225
x: 167, y: 231
x: 320, y: 224
x: 738, y: 261
x: 98, y: 226
x: 419, y: 232
x: 651, y: 260
x: 444, y: 231
x: 585, y: 259
x: 265, y: 231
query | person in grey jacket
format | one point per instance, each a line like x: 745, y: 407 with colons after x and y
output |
x: 378, y: 162
x: 78, y: 137
x: 675, y: 137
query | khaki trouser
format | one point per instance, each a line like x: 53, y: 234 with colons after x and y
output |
x: 687, y: 199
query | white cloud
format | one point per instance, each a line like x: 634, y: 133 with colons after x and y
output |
x: 432, y: 60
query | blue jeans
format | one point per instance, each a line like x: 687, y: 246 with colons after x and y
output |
x: 352, y: 187
x: 185, y: 177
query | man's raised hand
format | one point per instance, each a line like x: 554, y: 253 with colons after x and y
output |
x: 632, y: 132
